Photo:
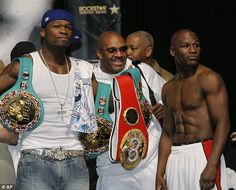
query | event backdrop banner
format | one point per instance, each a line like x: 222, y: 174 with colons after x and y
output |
x: 93, y: 18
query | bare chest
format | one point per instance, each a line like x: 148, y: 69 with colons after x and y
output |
x: 185, y: 96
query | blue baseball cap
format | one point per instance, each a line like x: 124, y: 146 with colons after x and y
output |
x: 59, y: 14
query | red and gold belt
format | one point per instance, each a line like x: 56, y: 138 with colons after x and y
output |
x: 129, y: 142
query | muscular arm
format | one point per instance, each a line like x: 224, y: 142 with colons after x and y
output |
x: 95, y: 86
x: 217, y: 101
x: 8, y: 76
x: 7, y: 79
x: 164, y: 146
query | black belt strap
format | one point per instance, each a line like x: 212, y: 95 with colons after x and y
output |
x: 151, y: 93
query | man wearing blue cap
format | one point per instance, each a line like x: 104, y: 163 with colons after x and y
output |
x: 57, y: 102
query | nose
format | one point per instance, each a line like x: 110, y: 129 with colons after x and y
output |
x: 118, y: 53
x: 192, y: 49
x: 63, y: 30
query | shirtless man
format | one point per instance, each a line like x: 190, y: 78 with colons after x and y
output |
x: 196, y: 122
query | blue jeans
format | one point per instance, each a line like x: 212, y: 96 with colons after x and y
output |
x: 37, y: 173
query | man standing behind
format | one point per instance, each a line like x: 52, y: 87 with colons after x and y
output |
x: 140, y: 48
x: 113, y: 60
x: 196, y: 122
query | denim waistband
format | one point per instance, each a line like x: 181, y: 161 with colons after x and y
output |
x: 58, y: 153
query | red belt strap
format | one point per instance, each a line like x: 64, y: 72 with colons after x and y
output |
x: 132, y: 144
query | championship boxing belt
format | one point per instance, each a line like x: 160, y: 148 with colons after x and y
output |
x: 98, y: 141
x: 129, y: 138
x: 20, y: 107
x: 144, y: 104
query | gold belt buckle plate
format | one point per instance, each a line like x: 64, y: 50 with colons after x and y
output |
x: 133, y: 148
x: 98, y: 139
x: 19, y: 111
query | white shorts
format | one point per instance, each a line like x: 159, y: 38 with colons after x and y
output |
x: 186, y: 163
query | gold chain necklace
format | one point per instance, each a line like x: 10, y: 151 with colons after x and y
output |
x: 61, y: 112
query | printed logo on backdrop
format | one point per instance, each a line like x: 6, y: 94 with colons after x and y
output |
x: 98, y: 9
x: 93, y: 18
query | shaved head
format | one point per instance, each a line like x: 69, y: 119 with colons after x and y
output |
x: 176, y: 36
x: 108, y: 36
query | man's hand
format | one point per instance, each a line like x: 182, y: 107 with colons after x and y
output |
x: 8, y: 137
x: 161, y: 183
x: 208, y: 178
x: 158, y: 111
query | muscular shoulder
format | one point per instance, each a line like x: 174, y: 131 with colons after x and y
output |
x: 209, y: 80
x: 11, y: 70
x: 9, y: 76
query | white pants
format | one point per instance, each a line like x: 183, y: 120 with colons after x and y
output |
x: 185, y: 165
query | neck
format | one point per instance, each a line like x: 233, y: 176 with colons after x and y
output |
x: 186, y: 71
x: 53, y: 56
x: 59, y: 64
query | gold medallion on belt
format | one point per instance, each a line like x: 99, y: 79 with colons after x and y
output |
x: 133, y: 148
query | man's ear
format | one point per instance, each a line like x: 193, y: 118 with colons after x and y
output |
x: 172, y: 52
x: 149, y: 51
x: 99, y: 55
x: 42, y: 32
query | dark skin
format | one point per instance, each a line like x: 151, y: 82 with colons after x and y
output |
x: 115, y: 63
x: 111, y: 62
x: 139, y: 49
x: 56, y: 38
x: 196, y: 104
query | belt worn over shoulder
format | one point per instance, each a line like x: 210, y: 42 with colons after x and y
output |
x: 189, y: 142
x: 58, y: 153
